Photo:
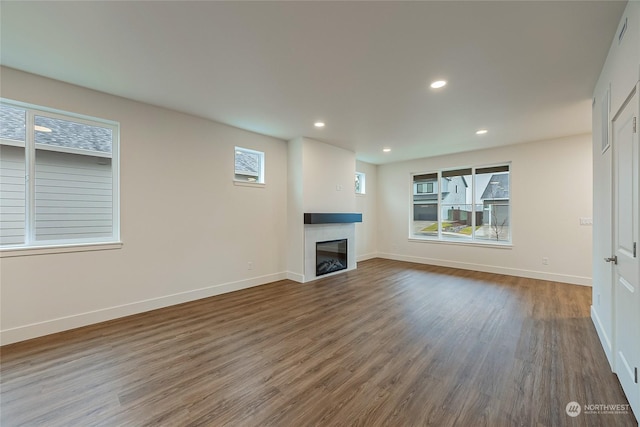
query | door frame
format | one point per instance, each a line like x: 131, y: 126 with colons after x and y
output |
x: 613, y: 273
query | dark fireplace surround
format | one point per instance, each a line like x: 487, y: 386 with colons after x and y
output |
x: 332, y: 218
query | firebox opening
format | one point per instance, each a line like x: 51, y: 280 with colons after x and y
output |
x: 331, y: 256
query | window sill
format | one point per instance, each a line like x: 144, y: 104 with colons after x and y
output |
x: 248, y: 184
x: 473, y: 243
x: 57, y: 249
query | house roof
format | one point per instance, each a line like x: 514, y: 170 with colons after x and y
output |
x: 247, y: 163
x: 12, y: 123
x: 62, y: 133
x: 497, y: 187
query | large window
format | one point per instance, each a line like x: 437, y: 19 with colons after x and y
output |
x: 58, y: 178
x: 467, y: 204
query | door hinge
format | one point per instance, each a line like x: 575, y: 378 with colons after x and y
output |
x: 636, y: 375
x: 634, y: 249
x: 635, y: 129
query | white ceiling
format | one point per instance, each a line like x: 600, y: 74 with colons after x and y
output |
x: 523, y: 70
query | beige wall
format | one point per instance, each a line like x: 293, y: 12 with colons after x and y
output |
x: 295, y: 209
x: 367, y: 204
x: 188, y: 231
x: 328, y: 174
x: 550, y: 190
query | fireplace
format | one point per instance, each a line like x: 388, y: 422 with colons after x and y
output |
x: 331, y: 256
x: 322, y: 232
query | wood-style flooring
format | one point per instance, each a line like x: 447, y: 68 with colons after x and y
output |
x: 391, y: 343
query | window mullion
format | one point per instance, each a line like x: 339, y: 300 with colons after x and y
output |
x: 439, y: 205
x: 473, y: 203
x: 30, y: 159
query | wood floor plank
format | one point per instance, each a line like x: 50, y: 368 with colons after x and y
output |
x: 389, y: 344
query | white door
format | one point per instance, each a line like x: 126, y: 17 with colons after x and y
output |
x: 626, y: 212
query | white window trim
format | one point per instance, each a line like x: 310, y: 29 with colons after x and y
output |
x: 473, y: 243
x: 32, y: 246
x: 248, y: 184
x: 440, y: 239
x: 17, y: 251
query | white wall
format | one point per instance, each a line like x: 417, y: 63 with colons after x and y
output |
x: 320, y: 179
x: 620, y: 74
x: 188, y: 231
x: 551, y: 186
x: 367, y: 204
x: 295, y: 211
x: 328, y: 177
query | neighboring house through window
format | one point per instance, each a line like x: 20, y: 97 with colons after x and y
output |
x: 59, y: 178
x: 249, y: 165
x: 470, y: 204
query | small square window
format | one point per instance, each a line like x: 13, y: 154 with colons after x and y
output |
x: 360, y: 183
x: 249, y: 165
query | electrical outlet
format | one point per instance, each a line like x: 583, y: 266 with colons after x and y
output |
x: 598, y: 300
x: 250, y: 265
x: 586, y: 221
x: 545, y: 260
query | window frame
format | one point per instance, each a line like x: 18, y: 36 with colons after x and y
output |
x: 363, y: 183
x: 260, y: 181
x: 31, y: 246
x: 472, y: 241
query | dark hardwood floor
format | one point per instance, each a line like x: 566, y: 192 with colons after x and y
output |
x: 391, y: 343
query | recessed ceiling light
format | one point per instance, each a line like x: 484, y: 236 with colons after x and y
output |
x: 438, y: 84
x: 481, y: 132
x: 42, y: 129
x: 319, y: 124
x: 386, y: 150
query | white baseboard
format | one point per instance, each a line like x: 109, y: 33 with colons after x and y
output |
x: 604, y: 338
x: 365, y: 257
x: 542, y: 275
x: 296, y: 277
x: 39, y: 329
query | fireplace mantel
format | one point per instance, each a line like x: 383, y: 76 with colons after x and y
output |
x: 332, y: 218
